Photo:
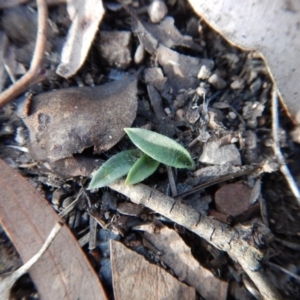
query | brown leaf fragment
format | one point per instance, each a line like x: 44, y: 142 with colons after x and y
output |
x: 177, y: 255
x: 63, y: 272
x: 66, y: 121
x: 135, y: 278
x: 233, y: 199
x: 181, y: 70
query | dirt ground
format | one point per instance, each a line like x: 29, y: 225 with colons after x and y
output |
x: 178, y: 78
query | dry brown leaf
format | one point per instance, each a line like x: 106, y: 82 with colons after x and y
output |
x: 136, y: 279
x: 268, y: 26
x: 177, y: 255
x: 86, y: 17
x: 66, y: 121
x: 64, y: 271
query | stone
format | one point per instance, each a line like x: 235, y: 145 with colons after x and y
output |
x: 215, y: 155
x: 217, y: 82
x: 204, y: 72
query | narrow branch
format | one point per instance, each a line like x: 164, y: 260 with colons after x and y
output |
x: 276, y: 147
x: 34, y: 71
x: 234, y: 240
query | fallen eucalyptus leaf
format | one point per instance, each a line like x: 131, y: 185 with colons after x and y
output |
x: 270, y: 27
x: 66, y: 121
x: 142, y: 169
x: 114, y: 168
x: 161, y: 148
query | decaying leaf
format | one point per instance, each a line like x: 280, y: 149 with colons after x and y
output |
x: 135, y: 278
x: 161, y: 148
x: 66, y: 121
x: 270, y: 27
x: 177, y: 255
x: 86, y: 17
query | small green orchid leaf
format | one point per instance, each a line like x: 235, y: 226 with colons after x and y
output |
x: 114, y: 168
x: 161, y: 148
x: 142, y: 169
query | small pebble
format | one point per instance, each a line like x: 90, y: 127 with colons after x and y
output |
x: 204, y: 73
x: 180, y: 113
x: 157, y: 10
x: 237, y: 84
x: 255, y: 85
x: 232, y: 115
x: 201, y: 91
x: 139, y: 54
x: 213, y: 154
x: 216, y: 81
x: 252, y: 76
x: 167, y: 111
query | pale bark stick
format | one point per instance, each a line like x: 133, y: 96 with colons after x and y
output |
x: 236, y: 241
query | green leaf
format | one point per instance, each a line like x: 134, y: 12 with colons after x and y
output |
x: 161, y: 148
x: 114, y: 168
x: 143, y: 168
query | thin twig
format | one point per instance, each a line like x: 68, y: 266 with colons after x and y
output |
x: 284, y: 271
x: 71, y: 206
x: 33, y: 75
x: 276, y: 147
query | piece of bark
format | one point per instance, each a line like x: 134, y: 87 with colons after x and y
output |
x: 177, y: 255
x: 235, y: 241
x: 136, y: 279
x: 27, y: 219
x: 86, y: 17
x: 66, y: 121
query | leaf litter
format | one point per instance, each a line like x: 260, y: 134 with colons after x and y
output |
x: 188, y: 69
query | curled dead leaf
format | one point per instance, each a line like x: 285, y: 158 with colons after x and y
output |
x: 66, y: 121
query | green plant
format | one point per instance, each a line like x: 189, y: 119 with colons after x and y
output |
x: 154, y: 149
